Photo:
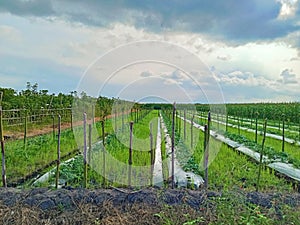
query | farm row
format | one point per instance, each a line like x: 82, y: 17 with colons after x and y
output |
x: 30, y: 156
x: 227, y: 168
x: 243, y: 170
x: 277, y: 147
x: 109, y: 160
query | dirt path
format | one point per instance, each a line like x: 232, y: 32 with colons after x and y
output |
x: 14, y: 135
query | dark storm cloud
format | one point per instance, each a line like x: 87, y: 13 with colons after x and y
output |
x: 24, y: 8
x: 234, y: 21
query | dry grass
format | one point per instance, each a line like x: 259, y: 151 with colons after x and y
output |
x: 105, y: 214
x: 145, y: 207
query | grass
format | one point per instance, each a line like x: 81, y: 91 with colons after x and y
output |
x: 291, y: 154
x: 116, y: 157
x: 227, y: 168
x: 117, y: 154
x: 39, y: 151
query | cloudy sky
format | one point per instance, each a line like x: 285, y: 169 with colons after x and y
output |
x: 250, y: 48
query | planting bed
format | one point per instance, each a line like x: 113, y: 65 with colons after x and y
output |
x: 284, y: 168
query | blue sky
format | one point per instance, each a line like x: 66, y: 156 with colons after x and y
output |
x: 251, y: 48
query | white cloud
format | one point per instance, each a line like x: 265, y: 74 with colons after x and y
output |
x: 239, y: 78
x: 9, y: 33
x: 223, y: 57
x: 175, y: 77
x: 146, y: 74
x: 288, y: 8
x: 288, y: 77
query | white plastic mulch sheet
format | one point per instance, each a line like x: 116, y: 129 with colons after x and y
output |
x: 286, y: 169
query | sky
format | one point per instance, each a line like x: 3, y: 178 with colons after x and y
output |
x: 189, y: 51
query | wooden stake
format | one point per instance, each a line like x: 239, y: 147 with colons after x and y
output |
x: 104, y: 152
x: 58, y: 152
x: 184, y: 124
x: 283, y: 132
x: 151, y: 155
x: 226, y: 122
x: 84, y: 151
x: 192, y: 124
x: 93, y: 114
x: 130, y: 154
x: 205, y: 145
x: 261, y: 155
x: 173, y: 145
x: 256, y: 118
x: 208, y: 126
x: 239, y: 126
x: 115, y: 116
x: 25, y: 129
x: 53, y: 127
x: 2, y: 149
x: 71, y: 116
x: 90, y: 144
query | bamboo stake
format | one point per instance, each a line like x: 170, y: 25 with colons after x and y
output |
x: 283, y: 132
x: 123, y: 118
x: 179, y: 130
x: 218, y: 121
x: 184, y: 124
x: 205, y: 156
x: 130, y: 154
x: 206, y: 148
x: 239, y: 126
x: 173, y: 145
x: 151, y: 155
x: 25, y: 129
x: 192, y: 124
x: 115, y: 117
x: 84, y: 151
x: 58, y: 152
x: 226, y: 122
x: 104, y: 153
x: 2, y: 149
x: 93, y: 114
x: 53, y: 127
x: 90, y: 144
x: 71, y: 116
x: 261, y: 155
x: 299, y: 127
x: 208, y: 126
x: 256, y: 118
